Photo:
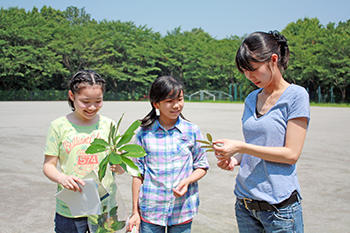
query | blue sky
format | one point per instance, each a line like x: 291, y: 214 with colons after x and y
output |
x: 220, y: 18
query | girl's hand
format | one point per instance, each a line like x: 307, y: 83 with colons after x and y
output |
x: 134, y: 221
x: 181, y: 189
x: 71, y: 182
x: 117, y: 169
x: 227, y: 148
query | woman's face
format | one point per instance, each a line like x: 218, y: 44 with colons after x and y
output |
x: 262, y: 74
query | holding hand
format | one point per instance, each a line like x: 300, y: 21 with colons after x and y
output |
x: 227, y: 148
x: 117, y: 169
x: 71, y: 182
x: 134, y: 221
x: 229, y: 164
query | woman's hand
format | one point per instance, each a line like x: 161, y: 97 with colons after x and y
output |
x: 71, y: 182
x: 134, y: 221
x: 230, y: 163
x: 225, y: 148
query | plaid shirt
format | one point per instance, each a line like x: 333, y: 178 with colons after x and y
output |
x: 172, y: 155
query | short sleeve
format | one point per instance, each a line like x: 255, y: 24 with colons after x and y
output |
x: 52, y: 141
x: 199, y: 155
x: 140, y: 162
x: 300, y: 106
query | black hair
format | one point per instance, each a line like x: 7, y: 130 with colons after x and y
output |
x: 164, y: 87
x: 81, y: 79
x: 259, y: 47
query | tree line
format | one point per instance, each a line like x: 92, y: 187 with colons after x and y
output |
x: 41, y: 49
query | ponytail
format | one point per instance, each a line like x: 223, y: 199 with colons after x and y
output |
x: 149, y: 118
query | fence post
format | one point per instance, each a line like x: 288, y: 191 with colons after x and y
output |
x: 319, y: 94
x: 332, y: 95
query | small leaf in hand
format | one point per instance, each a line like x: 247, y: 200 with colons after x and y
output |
x: 203, y: 142
x: 206, y: 147
x: 210, y: 138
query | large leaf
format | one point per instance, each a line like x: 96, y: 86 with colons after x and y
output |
x: 129, y: 133
x: 102, y: 168
x: 120, y: 121
x: 95, y: 148
x: 114, y: 158
x: 133, y: 150
x: 129, y: 162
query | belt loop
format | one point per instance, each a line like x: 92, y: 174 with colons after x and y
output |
x: 245, y: 202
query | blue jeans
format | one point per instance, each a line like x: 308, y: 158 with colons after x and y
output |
x: 287, y: 219
x: 71, y: 225
x: 153, y: 228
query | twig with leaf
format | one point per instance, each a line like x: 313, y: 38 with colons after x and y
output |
x: 209, y: 144
x: 118, y: 149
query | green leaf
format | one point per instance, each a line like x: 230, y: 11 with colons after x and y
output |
x: 99, y: 141
x: 116, y: 139
x: 113, y: 211
x: 110, y: 133
x: 120, y: 121
x: 114, y: 158
x: 210, y: 150
x: 206, y: 147
x: 129, y: 133
x: 133, y: 150
x: 95, y: 148
x: 129, y: 162
x: 204, y: 142
x: 118, y: 225
x: 210, y: 138
x: 102, y: 168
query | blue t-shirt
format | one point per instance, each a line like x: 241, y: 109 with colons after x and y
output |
x: 259, y: 179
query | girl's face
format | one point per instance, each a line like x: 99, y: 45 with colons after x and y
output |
x: 87, y: 102
x: 262, y: 74
x: 170, y: 109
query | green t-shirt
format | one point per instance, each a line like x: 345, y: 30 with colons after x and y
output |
x: 69, y: 141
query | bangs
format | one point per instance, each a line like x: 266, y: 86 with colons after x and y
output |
x: 174, y: 93
x: 244, y: 58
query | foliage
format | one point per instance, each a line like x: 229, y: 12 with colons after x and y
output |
x: 119, y: 151
x: 208, y: 145
x: 41, y: 49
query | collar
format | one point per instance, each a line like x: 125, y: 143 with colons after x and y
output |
x: 179, y: 125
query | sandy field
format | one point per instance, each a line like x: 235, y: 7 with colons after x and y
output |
x: 27, y: 196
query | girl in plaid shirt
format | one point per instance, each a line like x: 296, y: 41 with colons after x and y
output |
x: 166, y: 194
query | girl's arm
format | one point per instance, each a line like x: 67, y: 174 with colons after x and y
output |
x: 182, y: 187
x: 135, y: 218
x: 289, y: 154
x: 50, y: 170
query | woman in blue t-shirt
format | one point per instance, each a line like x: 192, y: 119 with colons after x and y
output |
x: 274, y: 121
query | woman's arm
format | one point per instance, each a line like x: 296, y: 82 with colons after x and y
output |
x: 50, y: 170
x: 289, y: 154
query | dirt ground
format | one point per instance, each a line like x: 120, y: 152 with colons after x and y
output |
x: 27, y: 196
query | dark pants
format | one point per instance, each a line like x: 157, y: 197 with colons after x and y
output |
x: 71, y: 225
